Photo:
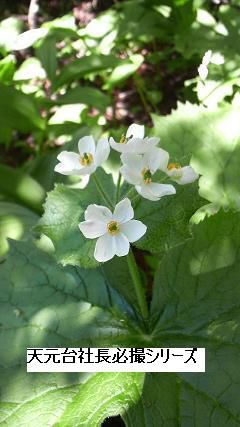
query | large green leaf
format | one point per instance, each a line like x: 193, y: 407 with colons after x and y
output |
x: 168, y: 219
x: 47, y: 54
x: 85, y: 95
x: 21, y: 187
x: 120, y: 391
x: 45, y: 305
x: 18, y: 111
x: 196, y: 303
x: 92, y: 64
x: 64, y: 209
x: 213, y: 139
x: 15, y: 223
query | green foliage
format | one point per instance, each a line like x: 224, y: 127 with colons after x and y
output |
x: 68, y: 318
x: 58, y: 83
x: 17, y: 108
x: 64, y: 209
x: 212, y: 138
x: 185, y: 312
x: 22, y: 188
x: 168, y: 219
x: 85, y: 66
x: 15, y: 223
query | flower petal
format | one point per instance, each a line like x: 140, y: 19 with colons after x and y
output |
x: 155, y: 191
x: 133, y: 161
x: 144, y: 191
x: 140, y: 146
x: 87, y: 170
x: 123, y: 211
x: 135, y: 131
x: 105, y: 248
x: 102, y: 151
x: 69, y: 163
x: 86, y: 145
x: 122, y: 245
x: 133, y: 230
x: 92, y: 229
x: 98, y: 213
x: 152, y: 141
x: 156, y: 158
x: 121, y: 148
x: 161, y: 190
x: 188, y: 175
x: 130, y: 176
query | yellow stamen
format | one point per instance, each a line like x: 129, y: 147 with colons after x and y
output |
x: 147, y: 176
x: 124, y: 139
x: 173, y: 166
x: 86, y: 159
x: 113, y: 228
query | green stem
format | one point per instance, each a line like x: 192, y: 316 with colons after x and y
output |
x: 102, y: 192
x: 118, y: 187
x: 142, y: 95
x: 225, y: 83
x: 135, y: 198
x: 133, y: 269
x: 130, y: 193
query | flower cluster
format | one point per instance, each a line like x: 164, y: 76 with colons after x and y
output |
x: 141, y: 160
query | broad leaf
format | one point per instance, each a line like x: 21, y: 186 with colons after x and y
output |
x: 120, y: 391
x: 21, y: 187
x: 15, y: 223
x: 64, y: 210
x: 196, y: 303
x: 44, y: 305
x: 168, y: 219
x: 213, y: 139
x: 47, y: 54
x: 18, y: 111
x: 29, y: 38
x: 92, y: 64
x: 85, y: 95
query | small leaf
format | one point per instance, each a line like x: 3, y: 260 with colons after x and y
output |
x: 30, y: 69
x: 29, y: 38
x: 47, y: 54
x: 124, y: 70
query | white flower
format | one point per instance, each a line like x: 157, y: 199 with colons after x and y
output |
x: 203, y: 71
x: 134, y: 141
x: 181, y: 175
x: 138, y: 170
x: 113, y: 230
x: 209, y: 58
x: 86, y: 162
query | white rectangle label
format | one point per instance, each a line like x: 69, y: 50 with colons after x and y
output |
x: 116, y: 359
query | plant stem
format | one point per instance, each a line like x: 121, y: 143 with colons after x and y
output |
x: 118, y: 187
x: 102, y: 192
x: 32, y: 14
x: 133, y: 269
x: 130, y: 193
x: 141, y: 94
